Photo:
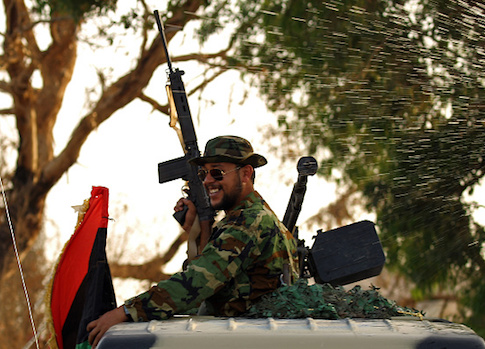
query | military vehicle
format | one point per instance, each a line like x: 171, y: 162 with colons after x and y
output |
x: 214, y: 333
x: 337, y: 257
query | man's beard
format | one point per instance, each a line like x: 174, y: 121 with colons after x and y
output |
x: 230, y: 199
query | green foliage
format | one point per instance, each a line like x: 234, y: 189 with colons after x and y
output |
x: 301, y: 300
x: 77, y: 9
x: 474, y: 298
x: 391, y: 93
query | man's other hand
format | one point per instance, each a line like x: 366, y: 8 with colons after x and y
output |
x: 98, y: 328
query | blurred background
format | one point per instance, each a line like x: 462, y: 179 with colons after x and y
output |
x: 388, y: 96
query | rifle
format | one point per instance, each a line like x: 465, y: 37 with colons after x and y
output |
x: 339, y: 256
x: 180, y: 167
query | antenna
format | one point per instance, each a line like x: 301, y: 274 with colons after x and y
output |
x: 19, y: 264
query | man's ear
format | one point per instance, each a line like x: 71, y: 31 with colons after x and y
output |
x: 247, y: 173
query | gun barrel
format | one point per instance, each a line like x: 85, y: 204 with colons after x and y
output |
x: 164, y: 39
x: 307, y: 166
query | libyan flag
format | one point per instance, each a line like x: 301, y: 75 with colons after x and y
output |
x: 81, y: 289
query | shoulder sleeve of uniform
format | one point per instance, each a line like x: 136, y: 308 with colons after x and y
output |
x: 220, y: 261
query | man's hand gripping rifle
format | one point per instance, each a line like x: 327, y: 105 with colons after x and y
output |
x: 180, y: 167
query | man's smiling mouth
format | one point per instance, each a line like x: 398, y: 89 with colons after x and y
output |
x: 213, y: 190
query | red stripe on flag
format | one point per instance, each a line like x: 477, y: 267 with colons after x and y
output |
x: 74, y: 262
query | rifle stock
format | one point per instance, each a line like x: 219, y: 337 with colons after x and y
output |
x: 180, y: 167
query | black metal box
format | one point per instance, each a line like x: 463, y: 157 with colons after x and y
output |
x: 347, y: 254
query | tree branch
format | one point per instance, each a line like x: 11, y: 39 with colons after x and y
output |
x: 206, y: 81
x: 164, y: 109
x: 7, y: 111
x: 115, y: 97
x: 5, y: 87
x: 150, y: 270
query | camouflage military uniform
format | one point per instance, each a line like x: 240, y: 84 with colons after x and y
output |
x: 243, y: 260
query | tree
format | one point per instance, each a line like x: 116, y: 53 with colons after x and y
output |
x: 39, y: 53
x: 35, y: 109
x: 390, y: 95
x: 386, y: 94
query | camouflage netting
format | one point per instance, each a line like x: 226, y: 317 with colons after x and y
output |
x: 301, y: 300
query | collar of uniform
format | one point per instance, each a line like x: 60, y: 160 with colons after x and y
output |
x: 233, y: 215
x: 248, y: 201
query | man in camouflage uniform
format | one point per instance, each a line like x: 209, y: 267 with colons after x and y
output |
x: 246, y: 255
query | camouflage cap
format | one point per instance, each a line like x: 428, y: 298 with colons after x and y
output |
x: 232, y: 149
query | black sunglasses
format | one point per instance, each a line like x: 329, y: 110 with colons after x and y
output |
x: 215, y: 173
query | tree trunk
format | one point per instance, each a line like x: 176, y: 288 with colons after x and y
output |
x: 35, y: 110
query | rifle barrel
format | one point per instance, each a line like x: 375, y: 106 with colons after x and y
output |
x: 164, y: 39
